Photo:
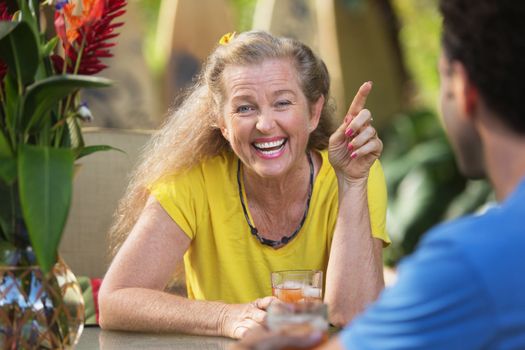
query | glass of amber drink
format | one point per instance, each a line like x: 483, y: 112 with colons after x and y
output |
x: 299, y: 320
x: 295, y: 286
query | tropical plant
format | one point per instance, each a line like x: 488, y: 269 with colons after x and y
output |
x: 41, y: 113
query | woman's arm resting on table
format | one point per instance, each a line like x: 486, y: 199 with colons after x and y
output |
x: 355, y: 268
x: 132, y: 296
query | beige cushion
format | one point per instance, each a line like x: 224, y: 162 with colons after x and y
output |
x: 98, y: 186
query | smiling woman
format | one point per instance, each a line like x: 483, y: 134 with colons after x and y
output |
x: 247, y: 177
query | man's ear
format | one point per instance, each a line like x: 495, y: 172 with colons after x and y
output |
x: 316, y: 110
x: 464, y: 90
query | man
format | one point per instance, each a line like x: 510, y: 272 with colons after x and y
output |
x: 464, y: 288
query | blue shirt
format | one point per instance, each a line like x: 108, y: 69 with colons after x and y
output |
x: 463, y: 288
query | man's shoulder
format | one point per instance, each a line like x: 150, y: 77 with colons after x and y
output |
x: 498, y: 223
x: 463, y: 229
x: 490, y: 245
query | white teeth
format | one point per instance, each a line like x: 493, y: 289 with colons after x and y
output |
x: 271, y: 144
x: 271, y: 152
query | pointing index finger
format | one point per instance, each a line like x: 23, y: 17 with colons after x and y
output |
x: 359, y: 101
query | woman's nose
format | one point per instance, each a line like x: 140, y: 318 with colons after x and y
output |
x: 265, y: 121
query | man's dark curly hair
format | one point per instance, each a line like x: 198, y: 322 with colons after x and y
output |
x: 488, y: 37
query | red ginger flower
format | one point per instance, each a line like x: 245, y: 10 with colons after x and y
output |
x: 87, y: 35
x: 4, y: 16
x: 4, y: 12
x: 83, y: 13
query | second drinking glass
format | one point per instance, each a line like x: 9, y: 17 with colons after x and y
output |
x: 294, y: 286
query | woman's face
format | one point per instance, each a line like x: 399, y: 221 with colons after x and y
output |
x: 266, y: 117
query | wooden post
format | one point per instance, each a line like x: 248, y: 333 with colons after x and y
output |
x: 187, y: 32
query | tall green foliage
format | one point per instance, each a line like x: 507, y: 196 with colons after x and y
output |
x: 40, y: 117
x: 425, y: 186
x: 420, y: 37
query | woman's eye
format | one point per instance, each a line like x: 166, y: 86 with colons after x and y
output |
x: 283, y: 103
x: 244, y: 109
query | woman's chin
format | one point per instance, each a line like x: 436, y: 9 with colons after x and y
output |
x: 273, y: 170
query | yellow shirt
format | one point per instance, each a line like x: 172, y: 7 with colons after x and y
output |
x: 224, y: 261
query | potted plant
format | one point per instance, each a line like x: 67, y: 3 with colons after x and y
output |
x: 41, y: 113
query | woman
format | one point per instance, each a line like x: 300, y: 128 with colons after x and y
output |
x: 239, y: 183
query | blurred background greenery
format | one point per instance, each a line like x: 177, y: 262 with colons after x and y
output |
x: 424, y: 185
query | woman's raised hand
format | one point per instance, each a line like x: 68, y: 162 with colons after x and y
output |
x: 237, y: 319
x: 354, y: 146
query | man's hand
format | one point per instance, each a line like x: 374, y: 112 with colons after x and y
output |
x: 260, y: 338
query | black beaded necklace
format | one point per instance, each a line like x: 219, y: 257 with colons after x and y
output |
x: 253, y: 229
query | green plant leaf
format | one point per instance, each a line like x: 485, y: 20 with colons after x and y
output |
x: 50, y: 46
x: 85, y: 151
x: 75, y: 133
x: 12, y: 107
x: 43, y: 95
x: 5, y: 149
x: 7, y: 211
x: 7, y: 169
x: 19, y: 49
x: 45, y: 184
x: 32, y: 9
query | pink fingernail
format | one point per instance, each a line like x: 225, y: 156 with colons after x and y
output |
x: 353, y: 155
x: 349, y: 132
x: 350, y: 147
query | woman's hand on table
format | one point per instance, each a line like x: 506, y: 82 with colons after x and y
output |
x: 354, y: 146
x: 237, y: 319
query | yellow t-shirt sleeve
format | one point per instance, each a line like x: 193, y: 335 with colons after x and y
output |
x: 177, y: 196
x: 377, y: 202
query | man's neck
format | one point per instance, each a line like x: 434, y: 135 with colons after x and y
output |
x: 504, y: 159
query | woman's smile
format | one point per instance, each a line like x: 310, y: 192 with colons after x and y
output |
x: 270, y: 148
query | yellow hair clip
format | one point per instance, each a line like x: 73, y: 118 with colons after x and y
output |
x: 226, y: 38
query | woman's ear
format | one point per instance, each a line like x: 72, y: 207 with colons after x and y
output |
x: 224, y: 130
x: 315, y: 116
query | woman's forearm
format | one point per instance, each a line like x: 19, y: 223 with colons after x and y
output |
x: 355, y: 268
x: 147, y: 310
